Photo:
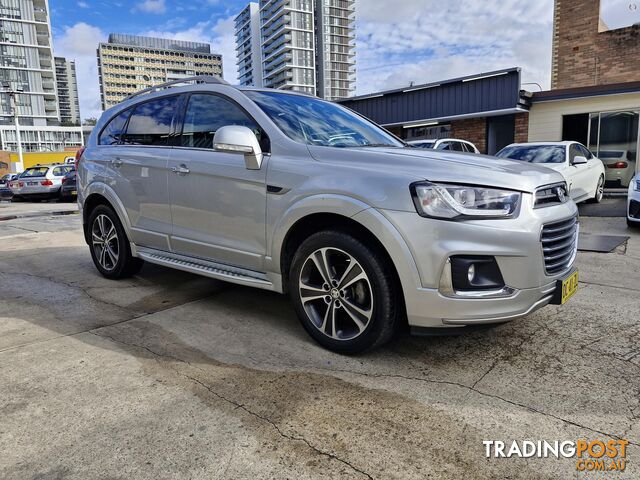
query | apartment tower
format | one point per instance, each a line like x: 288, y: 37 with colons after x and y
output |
x: 304, y: 45
x: 128, y: 63
x: 249, y: 61
x: 27, y: 70
x: 68, y: 103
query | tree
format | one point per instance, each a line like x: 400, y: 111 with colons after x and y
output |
x: 90, y: 121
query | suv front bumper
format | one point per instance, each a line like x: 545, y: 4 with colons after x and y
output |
x: 514, y: 243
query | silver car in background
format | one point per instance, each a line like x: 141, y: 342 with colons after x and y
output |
x: 285, y: 192
x: 40, y: 182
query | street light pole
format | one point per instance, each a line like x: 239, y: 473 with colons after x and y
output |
x: 14, y: 107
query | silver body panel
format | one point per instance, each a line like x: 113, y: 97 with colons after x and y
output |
x: 219, y: 218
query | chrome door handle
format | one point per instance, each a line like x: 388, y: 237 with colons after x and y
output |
x: 116, y: 162
x: 181, y: 170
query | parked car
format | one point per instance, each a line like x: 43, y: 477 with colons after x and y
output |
x: 69, y: 189
x: 452, y: 144
x: 5, y: 191
x: 41, y: 182
x: 286, y: 192
x: 14, y: 187
x: 583, y: 172
x: 633, y: 203
x: 619, y: 169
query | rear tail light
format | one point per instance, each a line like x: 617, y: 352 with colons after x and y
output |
x: 78, y: 156
x: 64, y: 180
x: 21, y: 184
x: 46, y: 183
x: 618, y: 165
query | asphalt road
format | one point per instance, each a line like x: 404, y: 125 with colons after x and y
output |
x: 169, y: 375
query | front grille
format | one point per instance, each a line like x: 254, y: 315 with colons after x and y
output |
x: 550, y: 195
x: 560, y: 244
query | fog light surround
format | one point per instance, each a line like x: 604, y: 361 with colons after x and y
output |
x: 473, y: 276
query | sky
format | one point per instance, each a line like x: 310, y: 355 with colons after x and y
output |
x: 398, y: 42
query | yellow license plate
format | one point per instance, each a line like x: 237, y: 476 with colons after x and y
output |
x: 569, y: 287
x: 74, y: 192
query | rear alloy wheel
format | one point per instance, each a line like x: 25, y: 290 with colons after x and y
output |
x: 344, y: 292
x: 109, y: 245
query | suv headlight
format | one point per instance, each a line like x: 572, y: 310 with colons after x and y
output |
x: 637, y: 184
x: 453, y: 202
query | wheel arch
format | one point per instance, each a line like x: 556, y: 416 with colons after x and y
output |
x: 101, y: 194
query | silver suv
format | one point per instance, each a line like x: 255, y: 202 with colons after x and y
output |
x: 286, y: 192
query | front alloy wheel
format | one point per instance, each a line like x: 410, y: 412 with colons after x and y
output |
x: 336, y: 293
x: 345, y: 291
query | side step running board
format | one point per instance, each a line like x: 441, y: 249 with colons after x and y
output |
x: 207, y: 269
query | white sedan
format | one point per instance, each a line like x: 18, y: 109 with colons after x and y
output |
x: 582, y: 170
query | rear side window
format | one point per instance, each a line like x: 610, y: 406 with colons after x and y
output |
x: 457, y: 146
x: 205, y: 114
x: 61, y: 171
x: 112, y: 133
x: 150, y: 122
x: 34, y: 172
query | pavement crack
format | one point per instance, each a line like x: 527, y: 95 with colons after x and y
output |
x: 239, y: 406
x: 472, y: 388
x: 626, y: 288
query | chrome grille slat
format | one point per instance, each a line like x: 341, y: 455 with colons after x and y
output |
x: 559, y: 244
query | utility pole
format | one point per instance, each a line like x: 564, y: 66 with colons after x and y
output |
x: 14, y: 106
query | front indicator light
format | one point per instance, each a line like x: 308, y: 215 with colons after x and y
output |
x: 448, y: 201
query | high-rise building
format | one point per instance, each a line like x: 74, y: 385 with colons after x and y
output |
x: 335, y: 43
x: 27, y: 62
x: 27, y: 71
x: 249, y: 62
x: 128, y: 63
x: 67, y: 84
x: 305, y: 45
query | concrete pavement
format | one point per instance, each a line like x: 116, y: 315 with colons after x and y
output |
x: 169, y: 375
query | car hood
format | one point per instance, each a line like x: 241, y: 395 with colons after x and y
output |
x: 439, y: 166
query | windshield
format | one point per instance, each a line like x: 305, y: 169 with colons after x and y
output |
x: 318, y: 122
x: 612, y: 154
x: 534, y: 153
x: 35, y: 172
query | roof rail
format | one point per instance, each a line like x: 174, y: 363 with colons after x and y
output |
x: 212, y: 79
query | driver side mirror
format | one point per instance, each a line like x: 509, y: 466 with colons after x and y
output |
x: 579, y: 160
x: 239, y: 139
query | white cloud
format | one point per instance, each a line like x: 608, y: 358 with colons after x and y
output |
x: 219, y: 34
x: 152, y: 6
x: 422, y: 41
x: 79, y: 42
x: 83, y: 4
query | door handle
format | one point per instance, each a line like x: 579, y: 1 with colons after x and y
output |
x: 181, y: 170
x: 116, y: 162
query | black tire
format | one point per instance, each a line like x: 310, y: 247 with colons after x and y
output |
x: 126, y: 264
x: 632, y: 224
x: 384, y: 303
x: 599, y: 191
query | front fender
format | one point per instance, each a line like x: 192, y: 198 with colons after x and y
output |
x: 358, y: 211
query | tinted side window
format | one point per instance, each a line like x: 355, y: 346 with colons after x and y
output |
x: 205, y: 114
x: 150, y: 122
x: 112, y: 133
x: 458, y: 147
x: 61, y: 171
x: 444, y: 146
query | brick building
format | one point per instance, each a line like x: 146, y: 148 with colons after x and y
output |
x: 586, y: 52
x: 595, y: 79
